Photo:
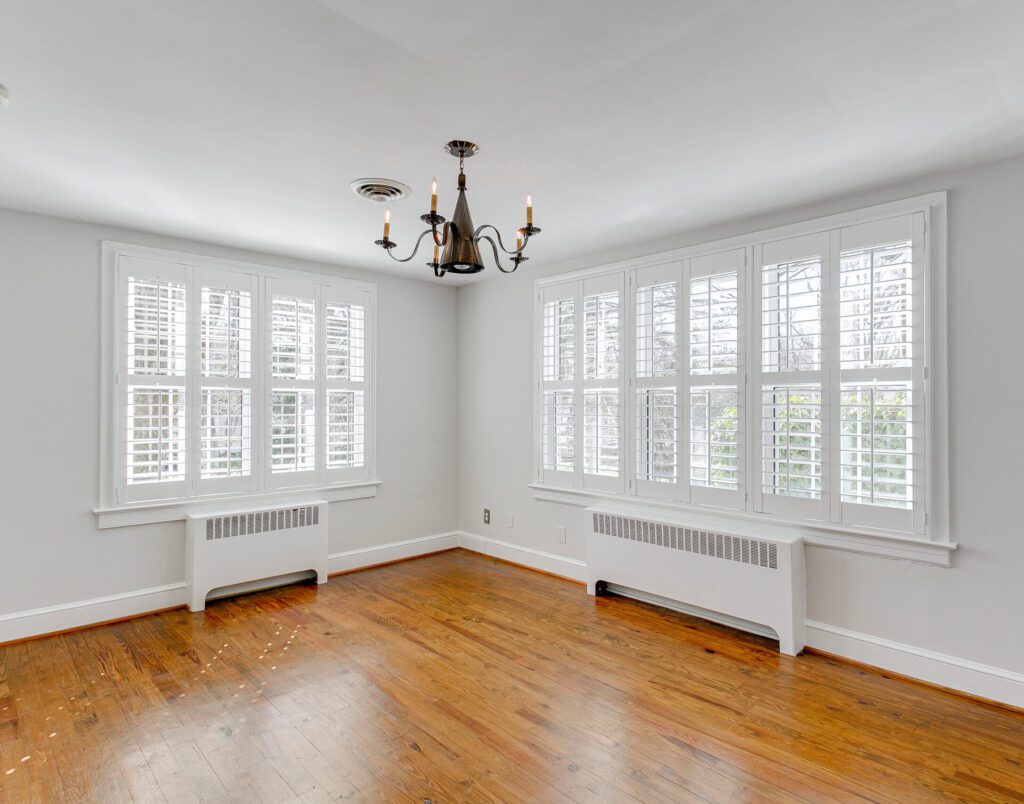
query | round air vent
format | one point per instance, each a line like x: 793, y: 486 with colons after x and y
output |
x: 380, y: 189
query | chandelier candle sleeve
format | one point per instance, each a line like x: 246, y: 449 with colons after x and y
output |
x: 433, y: 194
x: 387, y: 223
x: 519, y: 239
x: 529, y: 210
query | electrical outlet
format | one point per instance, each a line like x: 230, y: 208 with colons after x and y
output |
x: 560, y: 534
x: 510, y: 521
x: 487, y: 516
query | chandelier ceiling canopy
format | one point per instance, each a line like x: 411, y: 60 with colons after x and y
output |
x: 458, y: 238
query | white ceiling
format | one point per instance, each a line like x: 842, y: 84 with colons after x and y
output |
x: 243, y: 121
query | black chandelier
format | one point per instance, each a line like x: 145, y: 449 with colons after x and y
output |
x: 458, y: 238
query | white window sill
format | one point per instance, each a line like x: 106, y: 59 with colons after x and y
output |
x: 171, y: 510
x: 819, y: 534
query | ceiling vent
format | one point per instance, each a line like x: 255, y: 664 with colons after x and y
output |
x: 380, y: 189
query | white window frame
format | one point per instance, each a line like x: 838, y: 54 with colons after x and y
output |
x: 928, y: 539
x: 117, y: 507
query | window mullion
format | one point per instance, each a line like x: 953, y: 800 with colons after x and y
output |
x: 261, y: 384
x: 831, y: 380
x: 579, y: 368
x: 683, y: 403
x: 193, y: 420
x: 319, y: 383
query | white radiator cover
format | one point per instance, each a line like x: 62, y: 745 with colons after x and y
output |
x: 758, y: 578
x: 233, y: 547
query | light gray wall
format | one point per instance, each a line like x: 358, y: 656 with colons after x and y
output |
x: 974, y: 610
x: 50, y: 549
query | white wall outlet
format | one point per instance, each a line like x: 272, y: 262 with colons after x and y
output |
x: 560, y: 534
x: 510, y: 521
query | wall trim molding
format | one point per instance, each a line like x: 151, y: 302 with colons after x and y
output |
x: 564, y: 567
x: 939, y: 669
x: 365, y: 557
x: 19, y: 625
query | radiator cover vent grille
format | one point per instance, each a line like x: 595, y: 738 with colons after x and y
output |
x: 693, y: 540
x: 224, y: 527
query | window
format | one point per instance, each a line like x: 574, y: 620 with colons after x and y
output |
x: 715, y: 395
x: 657, y: 396
x: 791, y: 424
x: 783, y: 376
x: 231, y: 379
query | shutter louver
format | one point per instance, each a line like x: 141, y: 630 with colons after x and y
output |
x: 601, y: 385
x: 155, y: 361
x: 293, y: 372
x: 791, y: 453
x: 714, y: 438
x: 878, y: 403
x: 345, y: 355
x: 657, y: 402
x: 793, y: 409
x: 714, y: 397
x: 558, y: 394
x: 558, y: 424
x: 657, y: 435
x: 225, y: 350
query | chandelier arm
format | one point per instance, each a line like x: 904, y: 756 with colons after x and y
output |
x: 526, y: 239
x: 494, y: 247
x: 414, y: 248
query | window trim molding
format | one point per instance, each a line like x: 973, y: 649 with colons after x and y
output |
x: 111, y: 513
x: 937, y: 546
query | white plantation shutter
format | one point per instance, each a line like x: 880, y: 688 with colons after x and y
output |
x: 880, y: 286
x: 346, y: 372
x: 792, y: 281
x: 225, y: 380
x: 231, y: 379
x: 293, y: 408
x: 786, y: 377
x: 154, y: 362
x: 602, y: 383
x: 559, y: 335
x: 657, y: 380
x: 714, y: 386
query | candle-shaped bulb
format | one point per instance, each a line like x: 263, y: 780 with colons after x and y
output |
x: 433, y: 194
x: 529, y: 210
x: 387, y: 223
x: 435, y: 254
x: 519, y: 239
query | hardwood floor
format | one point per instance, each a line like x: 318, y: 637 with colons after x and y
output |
x: 456, y: 678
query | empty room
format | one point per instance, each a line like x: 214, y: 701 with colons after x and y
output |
x: 456, y: 401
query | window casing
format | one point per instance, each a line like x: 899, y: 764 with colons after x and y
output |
x: 782, y: 375
x: 228, y: 379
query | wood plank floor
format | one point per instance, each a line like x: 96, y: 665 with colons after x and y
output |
x: 456, y: 678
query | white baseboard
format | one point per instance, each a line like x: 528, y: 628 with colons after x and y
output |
x: 80, y: 613
x: 394, y: 551
x: 974, y: 678
x: 571, y: 568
